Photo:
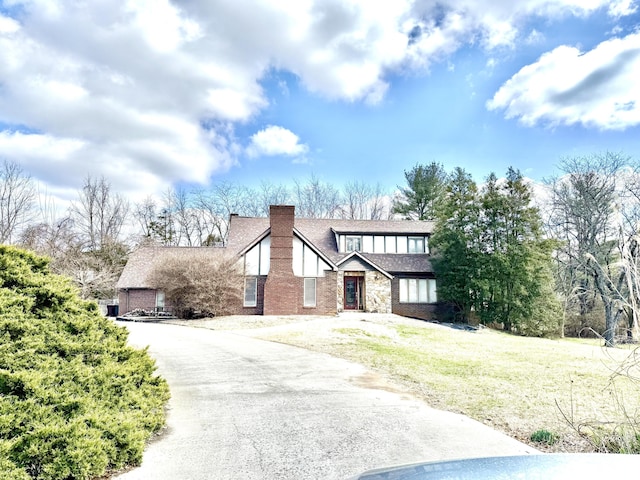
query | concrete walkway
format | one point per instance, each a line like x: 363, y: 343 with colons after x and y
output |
x: 243, y: 408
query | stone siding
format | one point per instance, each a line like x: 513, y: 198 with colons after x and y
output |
x: 377, y: 289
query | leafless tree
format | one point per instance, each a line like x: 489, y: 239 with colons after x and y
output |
x: 99, y: 214
x: 587, y: 215
x: 259, y: 200
x: 364, y: 201
x: 17, y: 197
x: 219, y: 203
x: 145, y: 214
x: 186, y: 218
x: 316, y: 199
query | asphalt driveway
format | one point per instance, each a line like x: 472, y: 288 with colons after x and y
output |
x: 243, y: 408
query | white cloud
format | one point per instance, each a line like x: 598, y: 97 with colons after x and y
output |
x: 148, y: 91
x: 621, y: 8
x: 274, y: 140
x: 8, y: 25
x: 597, y: 88
x: 534, y: 37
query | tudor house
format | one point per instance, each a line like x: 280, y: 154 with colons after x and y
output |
x: 311, y: 266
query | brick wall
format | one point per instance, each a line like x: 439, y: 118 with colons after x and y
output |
x: 424, y: 311
x: 325, y: 296
x: 282, y: 291
x: 259, y: 308
x: 136, y: 298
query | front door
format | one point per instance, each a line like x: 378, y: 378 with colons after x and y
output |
x: 353, y: 293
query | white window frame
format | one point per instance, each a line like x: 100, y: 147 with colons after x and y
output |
x: 248, y: 281
x: 310, y: 285
x: 415, y: 242
x: 417, y: 290
x: 351, y: 239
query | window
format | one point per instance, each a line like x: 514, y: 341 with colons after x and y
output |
x: 390, y: 244
x: 250, y: 291
x: 416, y: 244
x: 159, y: 301
x: 354, y: 244
x: 418, y: 290
x: 309, y: 292
x: 378, y: 244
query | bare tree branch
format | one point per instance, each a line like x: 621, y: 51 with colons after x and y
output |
x: 17, y: 196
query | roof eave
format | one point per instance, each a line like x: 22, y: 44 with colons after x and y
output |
x: 365, y: 259
x: 257, y: 240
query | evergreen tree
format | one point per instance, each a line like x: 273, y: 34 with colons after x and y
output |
x: 425, y: 188
x: 490, y: 257
x: 517, y: 260
x: 455, y: 244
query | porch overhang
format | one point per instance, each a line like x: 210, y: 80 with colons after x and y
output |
x: 365, y: 260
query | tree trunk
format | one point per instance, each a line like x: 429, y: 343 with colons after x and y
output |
x: 610, y: 320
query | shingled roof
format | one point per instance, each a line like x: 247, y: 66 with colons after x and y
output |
x: 400, y: 262
x: 245, y: 231
x: 142, y: 262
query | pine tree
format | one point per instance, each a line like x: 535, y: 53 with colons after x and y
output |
x: 456, y: 245
x: 490, y: 257
x: 425, y: 188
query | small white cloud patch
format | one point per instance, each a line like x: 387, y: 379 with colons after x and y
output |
x: 275, y: 140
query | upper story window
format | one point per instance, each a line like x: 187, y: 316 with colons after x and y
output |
x: 415, y: 245
x: 383, y: 243
x: 353, y: 243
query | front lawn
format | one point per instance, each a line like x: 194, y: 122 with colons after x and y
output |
x: 522, y: 386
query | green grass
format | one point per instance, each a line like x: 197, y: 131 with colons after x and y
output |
x: 517, y: 384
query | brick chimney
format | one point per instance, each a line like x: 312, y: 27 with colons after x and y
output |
x: 282, y: 289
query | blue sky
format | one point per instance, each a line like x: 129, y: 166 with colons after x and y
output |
x: 153, y: 94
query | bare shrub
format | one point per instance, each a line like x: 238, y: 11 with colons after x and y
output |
x: 619, y: 430
x: 201, y: 285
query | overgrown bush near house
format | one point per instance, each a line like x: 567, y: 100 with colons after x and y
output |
x: 75, y: 400
x: 204, y: 286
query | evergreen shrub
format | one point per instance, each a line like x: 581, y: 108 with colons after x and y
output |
x: 75, y: 400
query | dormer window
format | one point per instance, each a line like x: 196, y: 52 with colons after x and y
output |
x: 415, y: 245
x: 354, y: 243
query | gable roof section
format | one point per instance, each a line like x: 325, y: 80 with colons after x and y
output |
x: 244, y: 231
x: 141, y: 263
x: 315, y: 249
x: 366, y: 260
x: 257, y: 240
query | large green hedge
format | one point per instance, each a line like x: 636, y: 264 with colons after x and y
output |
x: 75, y: 400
